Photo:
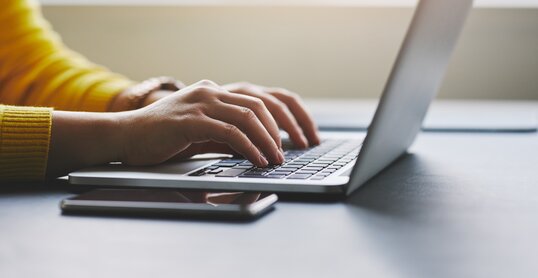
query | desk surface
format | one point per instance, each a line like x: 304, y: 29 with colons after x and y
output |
x: 461, y: 205
x: 443, y: 115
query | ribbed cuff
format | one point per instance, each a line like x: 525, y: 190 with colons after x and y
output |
x: 24, y: 142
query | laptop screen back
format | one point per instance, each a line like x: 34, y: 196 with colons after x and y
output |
x: 413, y: 83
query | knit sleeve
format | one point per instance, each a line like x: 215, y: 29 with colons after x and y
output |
x: 24, y: 142
x: 37, y: 69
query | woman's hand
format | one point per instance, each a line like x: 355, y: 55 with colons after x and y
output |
x: 200, y: 118
x: 201, y: 113
x: 287, y: 108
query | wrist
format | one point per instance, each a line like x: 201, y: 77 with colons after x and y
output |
x: 82, y: 139
x: 124, y: 124
x: 144, y: 93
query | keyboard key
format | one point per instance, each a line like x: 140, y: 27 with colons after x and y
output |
x: 295, y: 165
x: 306, y: 172
x: 299, y: 176
x: 224, y: 164
x: 252, y: 175
x: 323, y: 165
x: 302, y: 161
x: 237, y: 161
x: 198, y: 173
x: 312, y: 168
x: 259, y: 170
x: 289, y: 168
x: 280, y: 171
x: 215, y: 171
x: 246, y: 167
x: 231, y: 173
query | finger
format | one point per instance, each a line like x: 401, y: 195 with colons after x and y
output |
x: 281, y: 114
x: 258, y: 106
x: 205, y: 128
x: 247, y: 120
x: 300, y: 112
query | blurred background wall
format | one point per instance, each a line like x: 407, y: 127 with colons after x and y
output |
x: 316, y: 51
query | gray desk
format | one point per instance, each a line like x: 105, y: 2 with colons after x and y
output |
x: 462, y: 205
x: 443, y: 115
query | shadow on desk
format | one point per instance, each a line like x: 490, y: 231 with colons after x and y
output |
x: 400, y: 189
x: 397, y: 213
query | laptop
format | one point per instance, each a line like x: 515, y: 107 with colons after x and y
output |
x: 343, y: 161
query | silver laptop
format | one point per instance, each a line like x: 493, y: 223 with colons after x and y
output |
x: 343, y: 161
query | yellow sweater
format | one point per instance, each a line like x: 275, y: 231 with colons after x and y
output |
x: 36, y: 69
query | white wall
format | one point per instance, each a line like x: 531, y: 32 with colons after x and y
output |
x: 316, y: 51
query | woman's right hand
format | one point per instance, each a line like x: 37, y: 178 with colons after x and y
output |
x: 201, y: 113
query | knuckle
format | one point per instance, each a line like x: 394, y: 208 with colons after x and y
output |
x: 288, y: 94
x: 204, y: 92
x: 206, y: 82
x: 248, y: 114
x: 231, y: 131
x: 244, y: 85
x: 258, y: 104
x: 197, y: 111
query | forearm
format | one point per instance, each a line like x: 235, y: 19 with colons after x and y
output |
x: 81, y: 139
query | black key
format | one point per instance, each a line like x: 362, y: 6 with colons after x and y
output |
x: 303, y: 161
x: 323, y: 165
x: 312, y: 168
x: 306, y: 172
x: 299, y: 176
x: 246, y: 167
x: 292, y: 164
x: 252, y: 175
x: 224, y: 164
x: 215, y: 171
x: 322, y: 162
x: 280, y: 171
x: 233, y: 160
x: 287, y: 168
x: 231, y: 173
x: 259, y: 170
x: 314, y: 157
x: 198, y: 173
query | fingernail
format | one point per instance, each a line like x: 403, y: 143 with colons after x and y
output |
x: 263, y: 161
x: 305, y: 141
x: 280, y: 157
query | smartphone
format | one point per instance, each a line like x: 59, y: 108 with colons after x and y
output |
x: 170, y: 203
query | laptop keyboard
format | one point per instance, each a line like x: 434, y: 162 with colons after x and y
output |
x: 314, y: 163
